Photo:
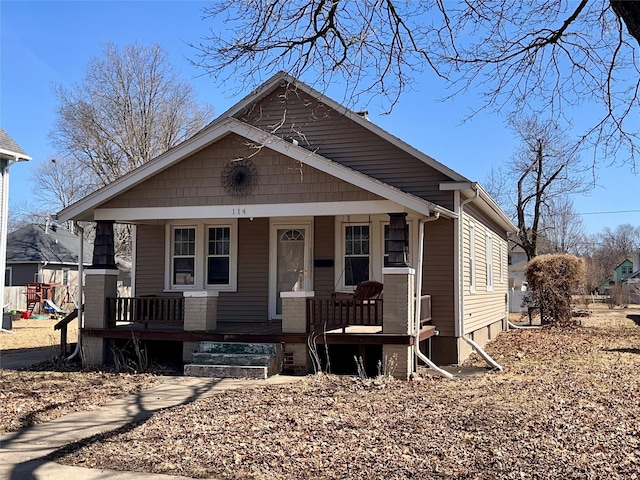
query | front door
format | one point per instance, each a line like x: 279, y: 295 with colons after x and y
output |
x: 290, y: 262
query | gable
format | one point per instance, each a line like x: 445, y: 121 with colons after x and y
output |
x: 295, y: 114
x: 197, y: 181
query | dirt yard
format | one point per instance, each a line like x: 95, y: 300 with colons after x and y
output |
x: 29, y: 333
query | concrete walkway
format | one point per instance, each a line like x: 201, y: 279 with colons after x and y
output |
x: 23, y: 454
x: 17, y: 359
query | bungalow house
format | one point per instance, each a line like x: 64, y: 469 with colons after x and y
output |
x: 263, y: 225
x: 45, y: 258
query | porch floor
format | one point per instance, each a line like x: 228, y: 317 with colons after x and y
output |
x: 262, y: 332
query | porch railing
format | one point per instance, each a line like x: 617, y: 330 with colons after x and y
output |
x: 155, y: 311
x: 331, y: 314
x: 425, y: 310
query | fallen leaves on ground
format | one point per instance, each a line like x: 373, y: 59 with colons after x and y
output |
x: 566, y: 406
x: 31, y: 397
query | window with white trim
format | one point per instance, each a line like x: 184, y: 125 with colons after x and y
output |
x: 501, y: 260
x: 202, y: 255
x: 472, y: 257
x: 183, y: 261
x: 65, y: 276
x: 356, y: 254
x: 218, y: 255
x: 488, y: 247
x: 8, y: 276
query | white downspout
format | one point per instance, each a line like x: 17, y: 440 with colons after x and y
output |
x: 459, y: 327
x: 80, y: 292
x: 418, y: 294
x: 459, y: 323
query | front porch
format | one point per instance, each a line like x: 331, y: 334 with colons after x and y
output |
x: 193, y: 318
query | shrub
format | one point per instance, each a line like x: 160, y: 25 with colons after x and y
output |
x: 552, y: 281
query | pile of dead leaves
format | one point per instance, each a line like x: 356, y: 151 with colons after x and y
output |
x: 44, y: 393
x: 566, y: 406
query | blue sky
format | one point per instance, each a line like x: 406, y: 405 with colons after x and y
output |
x: 50, y: 42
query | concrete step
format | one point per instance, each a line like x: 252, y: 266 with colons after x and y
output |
x: 236, y: 360
x: 226, y: 371
x: 240, y: 348
x: 232, y: 359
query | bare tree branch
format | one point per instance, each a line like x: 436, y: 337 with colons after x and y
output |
x: 542, y: 58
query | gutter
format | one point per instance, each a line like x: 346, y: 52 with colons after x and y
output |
x: 416, y: 343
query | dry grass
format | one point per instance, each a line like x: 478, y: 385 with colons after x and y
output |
x: 30, y: 333
x: 565, y: 407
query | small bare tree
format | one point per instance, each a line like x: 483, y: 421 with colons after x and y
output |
x: 562, y: 228
x: 545, y: 169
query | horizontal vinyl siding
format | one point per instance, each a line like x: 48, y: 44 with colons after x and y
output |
x: 150, y: 259
x: 332, y: 135
x: 251, y: 302
x: 438, y: 277
x: 484, y: 306
x: 197, y: 180
x: 324, y: 249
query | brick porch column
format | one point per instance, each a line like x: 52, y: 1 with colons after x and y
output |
x: 200, y: 314
x: 99, y: 284
x: 294, y: 320
x: 398, y: 316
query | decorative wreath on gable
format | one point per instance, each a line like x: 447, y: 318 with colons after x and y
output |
x: 239, y: 177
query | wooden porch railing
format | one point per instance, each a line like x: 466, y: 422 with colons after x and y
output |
x: 425, y: 310
x: 331, y: 313
x: 161, y: 311
x: 62, y: 325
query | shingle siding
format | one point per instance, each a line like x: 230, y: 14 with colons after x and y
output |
x: 196, y: 180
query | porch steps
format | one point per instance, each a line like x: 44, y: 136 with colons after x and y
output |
x: 236, y: 360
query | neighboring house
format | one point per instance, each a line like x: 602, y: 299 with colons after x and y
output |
x: 10, y: 153
x: 46, y: 254
x: 247, y: 228
x: 622, y: 271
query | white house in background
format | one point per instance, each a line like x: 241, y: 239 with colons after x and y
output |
x: 10, y: 153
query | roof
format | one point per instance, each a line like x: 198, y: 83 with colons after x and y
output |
x: 9, y: 149
x: 36, y: 244
x: 625, y: 261
x: 226, y: 123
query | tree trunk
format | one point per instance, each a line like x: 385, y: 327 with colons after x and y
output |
x: 629, y: 13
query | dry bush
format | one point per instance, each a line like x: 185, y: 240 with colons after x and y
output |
x: 552, y: 281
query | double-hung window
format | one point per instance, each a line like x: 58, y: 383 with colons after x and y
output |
x: 184, y: 256
x: 489, y: 260
x: 357, y: 257
x: 218, y: 255
x: 472, y: 257
x: 202, y: 256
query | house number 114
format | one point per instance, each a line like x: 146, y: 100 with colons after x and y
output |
x: 239, y: 211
